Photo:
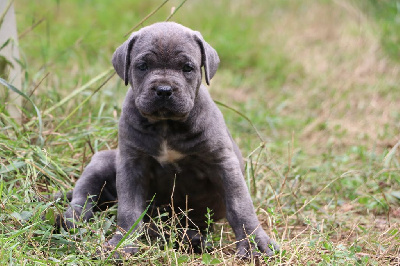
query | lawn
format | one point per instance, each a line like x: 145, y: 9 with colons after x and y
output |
x: 309, y: 91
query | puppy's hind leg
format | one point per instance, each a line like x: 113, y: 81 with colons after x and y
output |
x: 94, y: 190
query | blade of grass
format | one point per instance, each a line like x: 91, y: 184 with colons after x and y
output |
x: 82, y: 103
x: 23, y: 34
x: 325, y: 187
x: 129, y: 231
x: 1, y: 187
x: 244, y: 116
x: 14, y: 165
x: 146, y: 17
x: 21, y: 231
x: 388, y: 158
x: 3, y: 15
x: 176, y: 9
x: 5, y: 43
x: 78, y: 90
x: 11, y: 87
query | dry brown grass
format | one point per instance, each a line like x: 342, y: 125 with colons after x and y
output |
x: 345, y: 72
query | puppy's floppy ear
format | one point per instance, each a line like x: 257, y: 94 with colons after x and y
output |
x: 209, y: 57
x: 121, y: 58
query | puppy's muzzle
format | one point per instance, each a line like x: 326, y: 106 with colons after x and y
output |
x: 164, y: 104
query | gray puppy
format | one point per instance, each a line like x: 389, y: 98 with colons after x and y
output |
x: 173, y: 143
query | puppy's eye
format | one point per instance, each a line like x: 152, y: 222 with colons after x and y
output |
x: 187, y: 68
x: 142, y: 67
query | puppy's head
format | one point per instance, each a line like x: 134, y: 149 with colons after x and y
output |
x: 163, y: 62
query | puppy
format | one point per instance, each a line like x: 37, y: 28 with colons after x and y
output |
x: 173, y: 143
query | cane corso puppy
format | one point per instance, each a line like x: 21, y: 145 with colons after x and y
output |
x: 173, y: 143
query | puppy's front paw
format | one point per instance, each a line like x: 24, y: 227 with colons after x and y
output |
x: 258, y: 244
x: 122, y: 252
x: 70, y: 218
x: 66, y: 221
x: 266, y: 245
x: 62, y: 221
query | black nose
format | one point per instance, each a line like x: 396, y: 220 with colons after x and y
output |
x: 164, y: 91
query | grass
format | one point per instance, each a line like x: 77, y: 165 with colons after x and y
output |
x: 318, y: 79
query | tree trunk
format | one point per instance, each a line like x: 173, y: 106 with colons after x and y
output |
x: 10, y: 70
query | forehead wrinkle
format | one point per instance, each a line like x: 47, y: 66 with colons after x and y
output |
x: 166, y: 44
x: 163, y: 40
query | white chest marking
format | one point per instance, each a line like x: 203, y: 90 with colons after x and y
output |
x: 168, y: 155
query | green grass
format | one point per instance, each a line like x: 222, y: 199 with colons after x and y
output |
x: 318, y: 79
x: 387, y: 15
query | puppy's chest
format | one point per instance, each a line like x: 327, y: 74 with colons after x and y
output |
x: 168, y: 155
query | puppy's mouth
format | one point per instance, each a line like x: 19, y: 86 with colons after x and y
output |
x: 164, y: 114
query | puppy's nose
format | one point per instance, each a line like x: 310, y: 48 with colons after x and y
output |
x: 164, y: 91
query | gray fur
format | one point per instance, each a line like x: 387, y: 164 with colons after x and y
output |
x: 169, y: 129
